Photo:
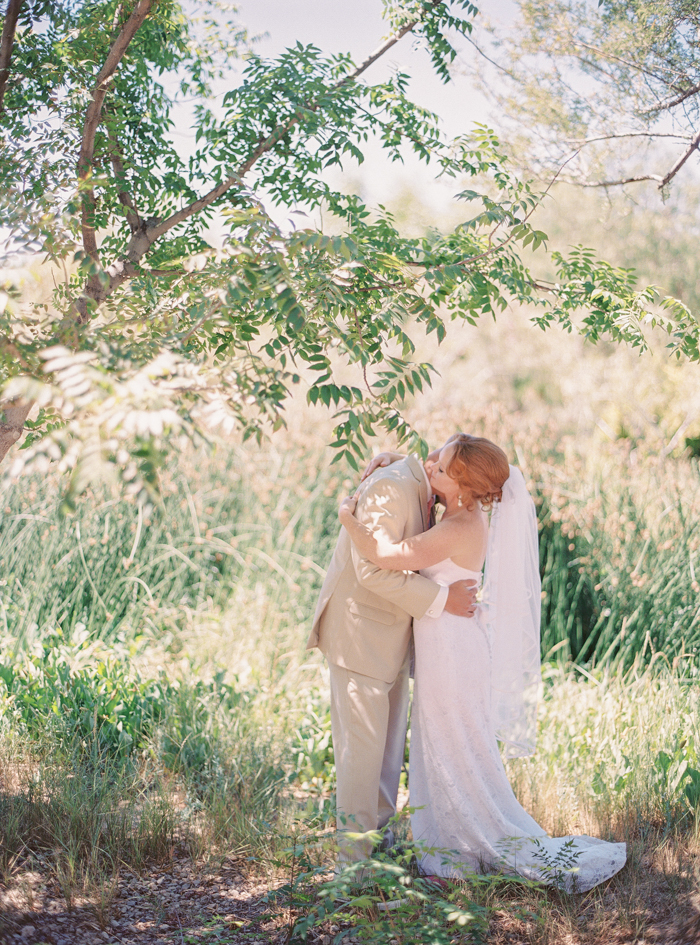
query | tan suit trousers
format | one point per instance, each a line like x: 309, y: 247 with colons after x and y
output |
x: 368, y: 720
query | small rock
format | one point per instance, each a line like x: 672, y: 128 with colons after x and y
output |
x: 27, y: 932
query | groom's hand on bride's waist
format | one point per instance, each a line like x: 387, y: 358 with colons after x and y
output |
x: 461, y: 598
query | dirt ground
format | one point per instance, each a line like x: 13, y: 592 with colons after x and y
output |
x: 188, y: 904
x: 181, y: 903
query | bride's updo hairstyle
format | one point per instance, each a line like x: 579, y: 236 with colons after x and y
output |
x: 480, y: 466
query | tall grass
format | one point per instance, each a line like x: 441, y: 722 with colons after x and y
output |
x: 226, y: 527
x: 239, y: 543
x: 618, y: 754
x: 619, y: 566
x: 138, y: 659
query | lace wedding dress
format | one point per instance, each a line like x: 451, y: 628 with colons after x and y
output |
x: 469, y: 818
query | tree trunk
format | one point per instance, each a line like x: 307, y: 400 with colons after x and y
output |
x: 6, y: 44
x: 13, y: 416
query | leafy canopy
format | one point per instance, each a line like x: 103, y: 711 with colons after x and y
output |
x: 153, y: 332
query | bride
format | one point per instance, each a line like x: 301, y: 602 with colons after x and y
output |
x: 477, y: 679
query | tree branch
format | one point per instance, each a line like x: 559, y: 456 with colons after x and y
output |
x: 613, y: 183
x: 672, y: 102
x: 268, y: 143
x: 114, y: 57
x: 661, y: 181
x: 580, y: 142
x: 149, y: 231
x: 625, y: 62
x: 6, y: 44
x: 92, y: 121
x: 493, y: 62
x: 469, y: 260
x: 14, y: 414
x: 694, y: 144
x: 132, y: 215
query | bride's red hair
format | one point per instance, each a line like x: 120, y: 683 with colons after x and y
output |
x: 480, y: 466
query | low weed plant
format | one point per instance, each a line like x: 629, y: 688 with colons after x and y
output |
x: 377, y: 900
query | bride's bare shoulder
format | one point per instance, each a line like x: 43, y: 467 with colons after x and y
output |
x: 473, y: 524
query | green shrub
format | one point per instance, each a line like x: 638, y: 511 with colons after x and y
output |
x: 80, y: 695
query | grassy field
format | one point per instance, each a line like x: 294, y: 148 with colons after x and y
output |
x: 160, y: 714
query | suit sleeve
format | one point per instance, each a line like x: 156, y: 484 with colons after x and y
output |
x: 382, y: 507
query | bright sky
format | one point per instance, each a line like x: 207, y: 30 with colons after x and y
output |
x: 357, y: 27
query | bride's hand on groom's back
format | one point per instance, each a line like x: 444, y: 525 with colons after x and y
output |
x: 347, y: 507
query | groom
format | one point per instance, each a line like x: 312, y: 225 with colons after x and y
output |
x: 363, y: 625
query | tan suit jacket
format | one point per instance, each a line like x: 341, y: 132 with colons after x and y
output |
x: 363, y: 616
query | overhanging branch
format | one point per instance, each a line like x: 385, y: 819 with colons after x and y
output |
x: 580, y: 142
x: 97, y: 292
x: 613, y: 183
x: 694, y: 144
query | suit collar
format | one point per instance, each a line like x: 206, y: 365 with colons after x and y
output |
x: 418, y: 472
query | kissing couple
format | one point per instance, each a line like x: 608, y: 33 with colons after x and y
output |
x: 399, y: 585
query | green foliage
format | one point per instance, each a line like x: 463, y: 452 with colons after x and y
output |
x: 559, y: 868
x: 85, y: 819
x: 115, y: 568
x: 90, y: 708
x: 156, y: 333
x: 312, y: 747
x: 678, y: 781
x: 99, y: 705
x: 622, y: 747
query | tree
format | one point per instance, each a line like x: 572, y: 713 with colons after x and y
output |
x: 616, y: 83
x: 152, y: 331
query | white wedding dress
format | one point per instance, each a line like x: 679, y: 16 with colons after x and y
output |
x: 468, y: 818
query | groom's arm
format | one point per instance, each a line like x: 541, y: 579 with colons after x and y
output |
x: 383, y: 507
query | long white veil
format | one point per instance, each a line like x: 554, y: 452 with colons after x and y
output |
x: 512, y: 602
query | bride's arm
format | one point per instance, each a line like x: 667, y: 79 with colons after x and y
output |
x: 442, y: 541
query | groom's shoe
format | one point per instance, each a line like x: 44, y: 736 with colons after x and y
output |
x: 387, y: 841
